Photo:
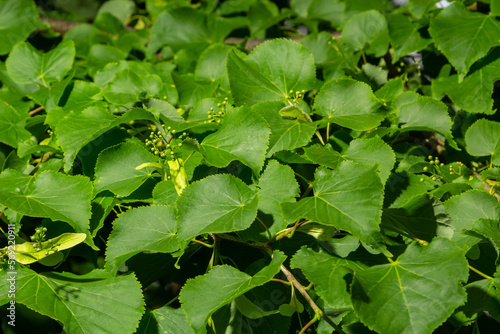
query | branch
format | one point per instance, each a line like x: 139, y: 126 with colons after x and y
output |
x: 308, y: 298
x: 34, y: 111
x: 63, y: 26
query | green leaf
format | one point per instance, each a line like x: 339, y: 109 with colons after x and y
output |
x: 27, y: 253
x: 127, y: 86
x: 71, y: 299
x: 121, y: 9
x: 250, y: 310
x: 243, y: 136
x: 26, y: 65
x: 190, y: 29
x: 83, y: 95
x: 367, y: 32
x: 286, y: 134
x: 273, y: 70
x: 349, y: 103
x: 392, y: 89
x: 482, y: 139
x: 413, y: 294
x: 164, y: 193
x: 326, y: 10
x: 262, y: 15
x: 320, y: 45
x: 164, y: 320
x: 479, y: 84
x: 218, y: 203
x: 349, y: 198
x: 420, y: 7
x: 328, y: 273
x: 489, y: 228
x: 323, y: 155
x: 50, y: 195
x: 116, y: 168
x: 482, y: 296
x: 464, y: 36
x: 191, y: 91
x: 19, y: 19
x: 372, y: 151
x: 202, y: 296
x: 277, y: 185
x: 77, y: 129
x: 12, y: 131
x: 404, y: 36
x: 148, y: 228
x: 426, y: 114
x: 465, y: 209
x: 211, y: 65
x: 495, y: 7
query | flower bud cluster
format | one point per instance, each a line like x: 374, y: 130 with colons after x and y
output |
x: 295, y: 96
x: 39, y: 237
x: 165, y: 146
x: 217, y: 116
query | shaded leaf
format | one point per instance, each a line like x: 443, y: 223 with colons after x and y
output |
x: 203, y: 295
x: 19, y: 19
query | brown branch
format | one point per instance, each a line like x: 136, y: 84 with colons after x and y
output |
x: 63, y: 26
x: 34, y: 111
x: 308, y: 298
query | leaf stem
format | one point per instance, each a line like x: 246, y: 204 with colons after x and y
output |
x: 268, y: 232
x: 303, y: 178
x: 203, y: 243
x: 281, y: 281
x: 320, y: 138
x: 364, y: 57
x: 308, y: 298
x: 327, y: 131
x: 303, y: 330
x: 480, y: 273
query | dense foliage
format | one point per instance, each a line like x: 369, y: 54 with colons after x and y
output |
x: 161, y: 175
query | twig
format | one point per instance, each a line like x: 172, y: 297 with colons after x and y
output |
x: 308, y: 298
x: 34, y: 111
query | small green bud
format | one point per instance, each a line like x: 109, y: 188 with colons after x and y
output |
x: 425, y: 168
